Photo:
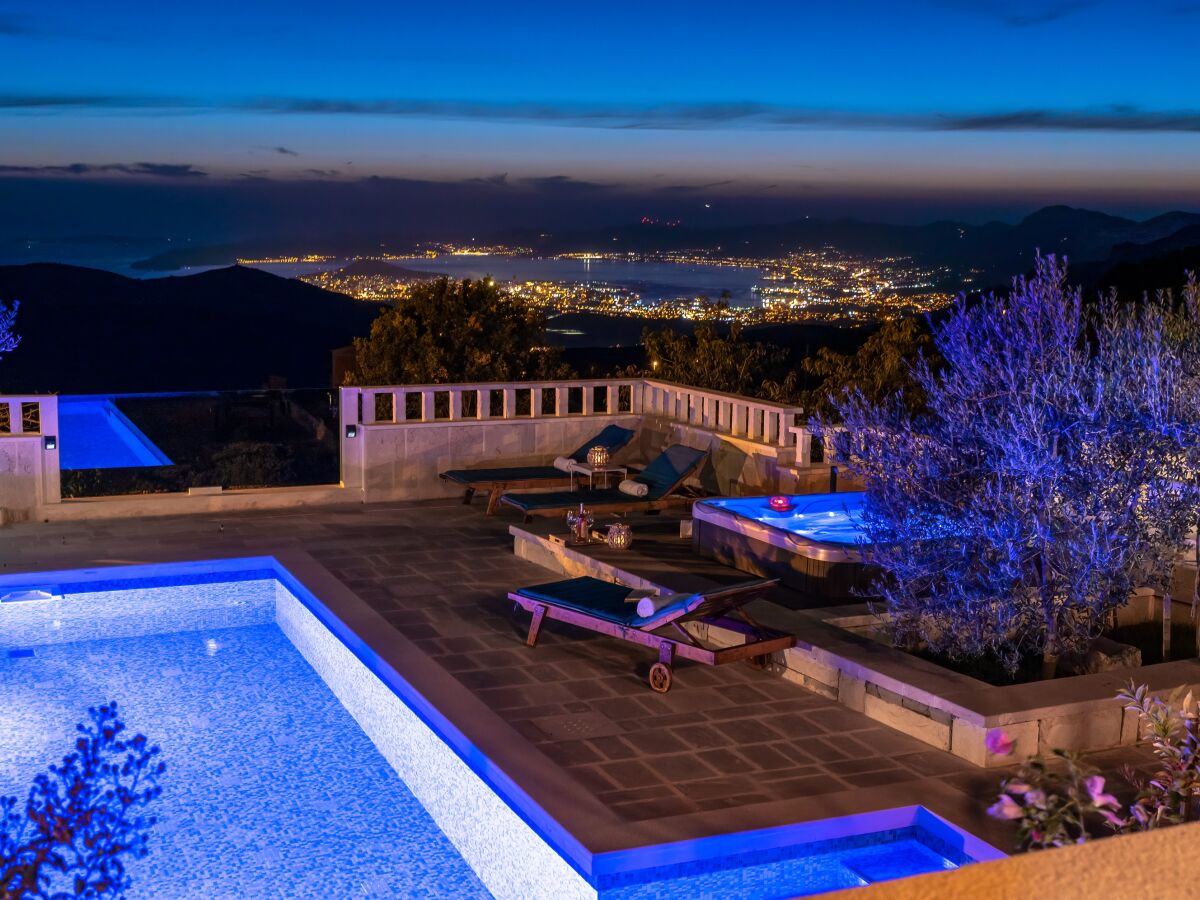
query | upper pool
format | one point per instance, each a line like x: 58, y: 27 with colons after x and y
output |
x: 301, y: 764
x: 94, y: 434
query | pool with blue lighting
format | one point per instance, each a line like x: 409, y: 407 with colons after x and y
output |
x: 95, y: 434
x: 821, y: 518
x: 301, y: 765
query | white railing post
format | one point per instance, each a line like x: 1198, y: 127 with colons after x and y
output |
x: 562, y: 401
x: 456, y: 395
x: 589, y: 399
x: 510, y: 403
x: 614, y: 399
x: 427, y: 408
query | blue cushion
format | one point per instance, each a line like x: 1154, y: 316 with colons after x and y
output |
x: 605, y: 600
x: 611, y: 437
x: 669, y: 468
x: 513, y: 473
x: 567, y: 499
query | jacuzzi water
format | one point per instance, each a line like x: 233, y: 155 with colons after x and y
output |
x: 273, y: 789
x: 825, y: 518
x: 94, y: 434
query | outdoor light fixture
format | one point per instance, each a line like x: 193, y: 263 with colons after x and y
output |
x: 351, y: 431
x: 50, y: 442
x: 780, y: 503
x: 597, y: 457
x: 620, y: 536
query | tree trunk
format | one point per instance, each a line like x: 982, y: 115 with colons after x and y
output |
x: 1049, y: 664
x: 1166, y: 631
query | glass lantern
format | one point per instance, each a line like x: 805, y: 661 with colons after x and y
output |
x: 620, y: 536
x: 597, y: 457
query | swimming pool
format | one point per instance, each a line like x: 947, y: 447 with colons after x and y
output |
x: 94, y: 434
x: 815, y: 544
x: 301, y: 765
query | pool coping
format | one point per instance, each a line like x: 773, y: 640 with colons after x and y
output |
x: 564, y: 813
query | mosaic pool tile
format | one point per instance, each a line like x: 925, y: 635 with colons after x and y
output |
x: 241, y: 816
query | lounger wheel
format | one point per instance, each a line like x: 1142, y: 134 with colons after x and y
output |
x: 660, y: 677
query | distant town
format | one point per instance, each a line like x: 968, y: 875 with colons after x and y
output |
x: 824, y: 286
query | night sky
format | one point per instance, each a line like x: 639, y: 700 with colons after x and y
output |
x: 242, y: 118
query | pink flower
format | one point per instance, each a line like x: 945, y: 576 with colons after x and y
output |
x: 1095, y: 789
x: 1112, y: 818
x: 998, y: 743
x: 1005, y: 807
x: 1035, y: 798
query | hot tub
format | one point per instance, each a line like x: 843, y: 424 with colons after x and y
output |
x: 816, y: 545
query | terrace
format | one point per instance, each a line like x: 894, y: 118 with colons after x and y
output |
x: 818, y: 745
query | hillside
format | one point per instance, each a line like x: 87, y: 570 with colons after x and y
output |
x: 91, y: 331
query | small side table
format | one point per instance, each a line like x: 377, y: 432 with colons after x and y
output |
x: 593, y: 471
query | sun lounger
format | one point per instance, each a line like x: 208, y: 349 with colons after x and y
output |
x: 606, y: 608
x: 663, y: 478
x: 498, y: 480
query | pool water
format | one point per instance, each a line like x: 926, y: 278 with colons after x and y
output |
x: 273, y: 789
x: 94, y: 434
x: 825, y: 518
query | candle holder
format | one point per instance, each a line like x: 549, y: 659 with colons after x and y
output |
x: 780, y: 503
x: 597, y: 457
x: 620, y: 536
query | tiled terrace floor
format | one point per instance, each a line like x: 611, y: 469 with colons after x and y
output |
x: 726, y: 749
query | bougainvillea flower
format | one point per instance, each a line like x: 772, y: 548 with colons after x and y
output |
x: 998, y: 743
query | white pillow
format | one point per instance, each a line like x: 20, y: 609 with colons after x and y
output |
x: 648, y: 606
x: 563, y: 463
x: 634, y: 488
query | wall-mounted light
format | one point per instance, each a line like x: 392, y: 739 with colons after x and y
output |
x: 351, y: 431
x: 50, y: 442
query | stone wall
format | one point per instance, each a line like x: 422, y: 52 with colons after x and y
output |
x: 390, y: 461
x: 26, y: 482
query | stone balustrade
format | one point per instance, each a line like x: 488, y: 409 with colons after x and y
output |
x: 731, y: 414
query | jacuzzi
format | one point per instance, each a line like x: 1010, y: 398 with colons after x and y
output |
x: 815, y: 545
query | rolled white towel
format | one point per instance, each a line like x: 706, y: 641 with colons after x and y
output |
x: 563, y: 463
x: 648, y: 606
x: 634, y: 488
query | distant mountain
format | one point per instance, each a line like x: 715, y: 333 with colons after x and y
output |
x: 998, y: 249
x: 369, y: 268
x: 91, y: 331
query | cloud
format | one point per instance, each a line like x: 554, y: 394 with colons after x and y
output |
x: 679, y: 116
x: 157, y: 170
x: 284, y: 151
x: 322, y: 173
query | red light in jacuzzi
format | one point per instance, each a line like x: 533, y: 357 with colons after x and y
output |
x: 780, y: 504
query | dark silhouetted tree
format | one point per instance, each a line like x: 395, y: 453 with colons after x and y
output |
x: 879, y: 368
x: 448, y: 331
x: 720, y: 362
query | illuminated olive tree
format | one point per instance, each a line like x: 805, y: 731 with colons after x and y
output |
x: 1049, y: 474
x: 8, y: 327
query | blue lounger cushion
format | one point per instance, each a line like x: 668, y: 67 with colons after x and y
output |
x: 607, y: 601
x: 509, y: 473
x: 612, y: 437
x: 662, y: 475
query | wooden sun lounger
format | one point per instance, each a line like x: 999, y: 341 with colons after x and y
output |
x: 604, y: 607
x: 665, y: 476
x: 496, y: 481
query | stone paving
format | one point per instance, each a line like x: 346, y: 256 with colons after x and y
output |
x: 724, y: 739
